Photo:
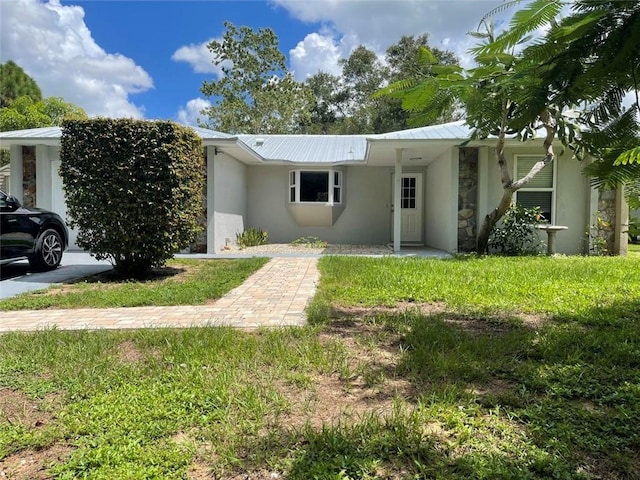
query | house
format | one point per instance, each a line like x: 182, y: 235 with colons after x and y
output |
x: 413, y: 187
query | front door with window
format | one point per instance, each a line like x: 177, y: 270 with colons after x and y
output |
x: 410, y: 208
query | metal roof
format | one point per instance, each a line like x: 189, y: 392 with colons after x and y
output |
x: 308, y: 148
x: 207, y: 134
x: 301, y: 149
x: 33, y: 133
x: 447, y: 131
x: 56, y: 132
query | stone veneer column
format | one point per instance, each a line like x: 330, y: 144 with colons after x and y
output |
x: 614, y: 220
x: 29, y: 176
x: 467, y: 199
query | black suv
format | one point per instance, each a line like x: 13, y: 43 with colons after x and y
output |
x: 37, y: 235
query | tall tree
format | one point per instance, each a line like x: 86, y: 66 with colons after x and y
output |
x: 331, y: 101
x: 402, y: 57
x: 256, y: 93
x: 24, y: 113
x: 346, y: 104
x: 15, y: 83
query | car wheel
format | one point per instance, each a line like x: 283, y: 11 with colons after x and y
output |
x: 48, y: 254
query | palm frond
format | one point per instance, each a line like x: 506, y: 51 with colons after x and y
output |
x: 629, y: 157
x: 524, y: 22
x: 499, y: 9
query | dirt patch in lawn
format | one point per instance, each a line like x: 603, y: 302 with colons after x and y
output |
x: 470, y: 324
x: 34, y: 464
x: 18, y: 409
x: 128, y: 352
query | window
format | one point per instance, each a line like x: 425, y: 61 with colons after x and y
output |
x: 315, y: 186
x: 540, y: 191
x: 408, y: 192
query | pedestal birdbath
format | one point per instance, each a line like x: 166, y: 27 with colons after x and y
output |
x: 551, y: 235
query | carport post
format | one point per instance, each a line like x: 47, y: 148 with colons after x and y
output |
x: 397, y: 184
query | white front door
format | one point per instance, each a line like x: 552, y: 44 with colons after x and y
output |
x: 410, y: 208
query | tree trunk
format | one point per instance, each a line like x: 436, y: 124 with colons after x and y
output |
x: 492, y: 219
x: 509, y: 187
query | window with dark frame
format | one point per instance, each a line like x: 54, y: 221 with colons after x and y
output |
x: 315, y: 186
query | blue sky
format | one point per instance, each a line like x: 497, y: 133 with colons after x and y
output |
x: 147, y: 59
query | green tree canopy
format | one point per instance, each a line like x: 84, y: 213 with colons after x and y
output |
x: 256, y: 93
x: 590, y: 61
x: 15, y: 83
x: 25, y: 113
x: 346, y: 104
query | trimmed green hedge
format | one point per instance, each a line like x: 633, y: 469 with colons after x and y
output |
x: 133, y: 188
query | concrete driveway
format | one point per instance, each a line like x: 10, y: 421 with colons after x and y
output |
x: 16, y: 278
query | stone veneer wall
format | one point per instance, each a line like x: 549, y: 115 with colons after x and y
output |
x: 467, y: 199
x: 607, y: 215
x: 29, y: 176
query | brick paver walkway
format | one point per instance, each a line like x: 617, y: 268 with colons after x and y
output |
x: 276, y: 295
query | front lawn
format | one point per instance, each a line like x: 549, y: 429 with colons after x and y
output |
x: 182, y: 282
x: 467, y: 368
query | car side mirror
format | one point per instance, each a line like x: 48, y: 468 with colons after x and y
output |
x: 10, y: 204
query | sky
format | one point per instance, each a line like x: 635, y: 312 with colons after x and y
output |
x: 148, y: 58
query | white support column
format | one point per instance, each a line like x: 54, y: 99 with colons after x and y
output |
x: 16, y: 172
x: 211, y: 234
x: 397, y: 199
x: 453, y: 199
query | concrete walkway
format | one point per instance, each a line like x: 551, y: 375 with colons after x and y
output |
x: 274, y: 296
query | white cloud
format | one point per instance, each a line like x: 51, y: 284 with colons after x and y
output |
x: 319, y: 52
x: 380, y: 23
x: 198, y: 56
x: 53, y: 45
x: 190, y: 113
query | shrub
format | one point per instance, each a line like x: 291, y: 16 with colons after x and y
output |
x: 311, y: 242
x: 133, y: 188
x: 517, y: 233
x: 252, y: 237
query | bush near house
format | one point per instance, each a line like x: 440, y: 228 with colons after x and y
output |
x: 133, y: 189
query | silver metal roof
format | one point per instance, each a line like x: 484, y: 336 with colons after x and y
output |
x: 56, y: 132
x: 207, y: 134
x: 447, y: 131
x: 308, y: 148
x: 33, y: 133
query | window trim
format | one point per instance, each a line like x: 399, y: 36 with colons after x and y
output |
x: 552, y: 189
x: 333, y: 183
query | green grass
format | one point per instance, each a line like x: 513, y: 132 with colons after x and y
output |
x: 475, y: 389
x: 634, y: 249
x: 556, y: 285
x: 183, y: 282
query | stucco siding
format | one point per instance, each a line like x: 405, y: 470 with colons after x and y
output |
x: 441, y: 203
x: 572, y: 195
x: 229, y: 200
x: 572, y: 206
x: 366, y: 218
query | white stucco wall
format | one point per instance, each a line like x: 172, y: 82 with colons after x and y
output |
x: 366, y: 218
x: 441, y: 201
x: 572, y: 196
x: 226, y: 199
